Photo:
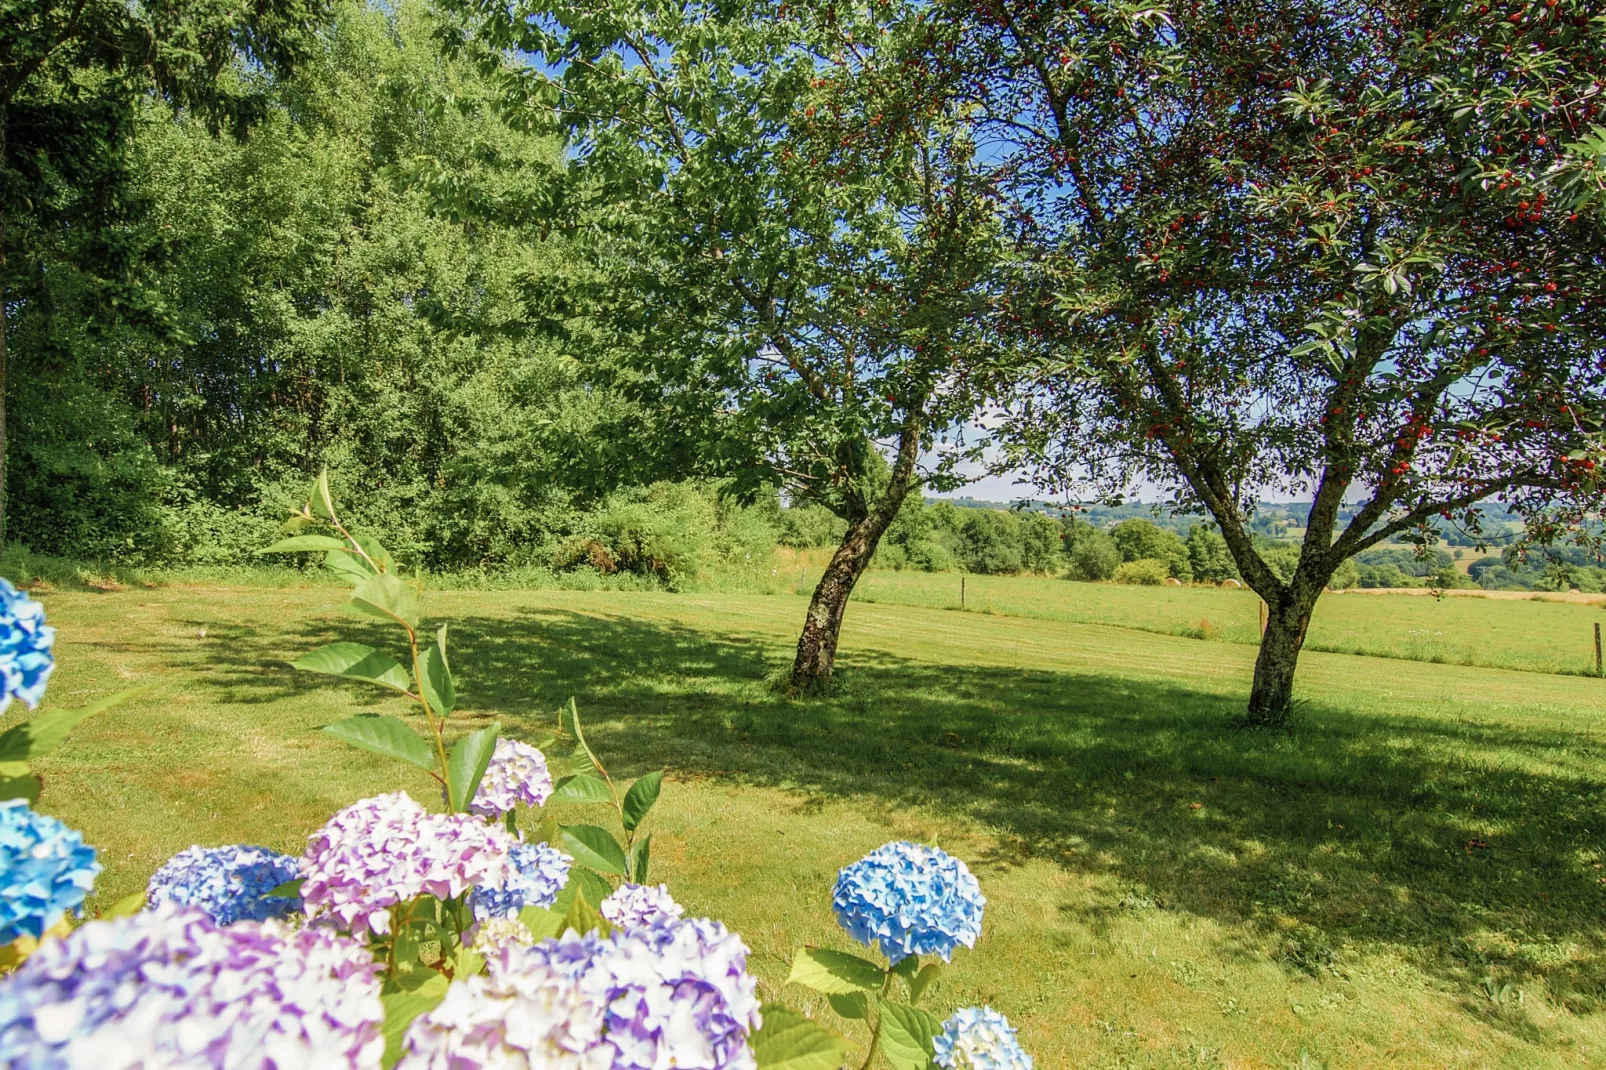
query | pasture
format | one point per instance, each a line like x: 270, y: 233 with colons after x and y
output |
x: 1411, y: 876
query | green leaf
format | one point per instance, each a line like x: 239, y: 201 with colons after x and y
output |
x: 907, y: 967
x: 356, y: 661
x: 320, y: 500
x: 43, y: 734
x: 792, y: 1041
x: 408, y: 996
x: 854, y: 1006
x: 437, y: 682
x: 20, y: 787
x: 466, y: 963
x: 835, y: 972
x: 301, y: 543
x: 640, y: 855
x: 591, y: 884
x: 385, y: 595
x: 384, y: 735
x: 287, y: 890
x: 581, y: 789
x: 126, y: 907
x: 639, y: 799
x: 906, y: 1036
x: 592, y: 846
x: 376, y: 553
x: 470, y: 757
x: 922, y: 980
x: 583, y: 917
x: 347, y: 565
x: 541, y: 922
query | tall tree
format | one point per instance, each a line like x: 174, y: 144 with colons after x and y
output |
x: 73, y: 74
x: 796, y: 240
x: 1325, y: 247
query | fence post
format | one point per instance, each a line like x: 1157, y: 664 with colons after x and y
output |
x: 1598, y: 666
x: 1263, y: 613
x: 962, y: 593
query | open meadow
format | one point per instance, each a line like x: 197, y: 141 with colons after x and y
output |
x: 1411, y: 876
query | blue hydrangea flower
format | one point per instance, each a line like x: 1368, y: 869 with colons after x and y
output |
x: 536, y: 874
x: 230, y: 883
x: 25, y: 640
x: 46, y: 869
x: 910, y: 899
x: 979, y: 1038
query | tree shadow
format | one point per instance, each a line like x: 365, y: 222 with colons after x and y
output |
x: 1447, y: 839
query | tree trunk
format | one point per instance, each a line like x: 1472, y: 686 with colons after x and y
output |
x: 1271, y: 695
x: 816, y: 648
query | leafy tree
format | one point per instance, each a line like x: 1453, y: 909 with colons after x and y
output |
x: 790, y: 221
x: 1143, y: 540
x: 1094, y: 556
x: 1208, y: 555
x: 989, y: 542
x: 1040, y: 548
x: 1328, y: 248
x: 74, y: 75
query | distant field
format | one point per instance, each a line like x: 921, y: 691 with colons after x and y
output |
x: 1412, y: 877
x: 1534, y: 636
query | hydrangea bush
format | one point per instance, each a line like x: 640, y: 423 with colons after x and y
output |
x: 402, y: 937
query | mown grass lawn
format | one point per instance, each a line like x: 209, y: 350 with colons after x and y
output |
x: 1411, y: 877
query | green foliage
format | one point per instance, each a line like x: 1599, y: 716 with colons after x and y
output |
x: 22, y: 744
x: 1094, y: 556
x: 1145, y: 571
x: 1139, y: 539
x: 1208, y: 556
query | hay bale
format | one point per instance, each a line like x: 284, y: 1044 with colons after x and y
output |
x: 1172, y: 581
x: 1232, y: 585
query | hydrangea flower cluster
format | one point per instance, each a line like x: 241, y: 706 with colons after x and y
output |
x: 676, y: 993
x: 910, y: 899
x: 633, y: 906
x: 536, y: 874
x: 170, y: 988
x: 517, y: 775
x: 46, y: 869
x: 26, y: 660
x: 979, y: 1038
x: 229, y: 883
x: 386, y: 850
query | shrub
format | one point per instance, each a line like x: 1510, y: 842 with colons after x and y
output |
x: 1208, y: 555
x: 1094, y: 557
x: 1146, y: 572
x: 1140, y: 539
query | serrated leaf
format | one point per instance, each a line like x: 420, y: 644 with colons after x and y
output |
x: 439, y: 690
x: 581, y: 789
x: 470, y: 758
x: 593, y: 847
x: 420, y: 993
x: 583, y: 917
x: 43, y: 734
x: 591, y: 884
x: 303, y: 543
x: 854, y: 1006
x: 792, y: 1041
x: 384, y: 735
x: 639, y: 799
x: 906, y: 1036
x: 385, y: 595
x: 541, y: 922
x: 835, y: 972
x: 640, y: 857
x: 288, y: 890
x: 357, y: 662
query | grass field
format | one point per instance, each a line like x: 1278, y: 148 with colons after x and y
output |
x: 1411, y: 877
x: 1536, y: 635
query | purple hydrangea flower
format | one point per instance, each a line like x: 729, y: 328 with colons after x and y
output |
x: 26, y: 661
x: 170, y: 988
x: 675, y: 993
x: 230, y: 883
x: 979, y: 1038
x: 536, y: 874
x: 46, y: 869
x: 386, y: 850
x: 910, y: 899
x: 517, y: 775
x: 632, y: 906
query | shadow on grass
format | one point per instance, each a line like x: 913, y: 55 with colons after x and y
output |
x: 1438, y: 838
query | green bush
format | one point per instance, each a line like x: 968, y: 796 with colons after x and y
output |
x: 1140, y: 540
x: 1145, y: 571
x: 1208, y: 555
x: 989, y: 542
x: 1094, y: 557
